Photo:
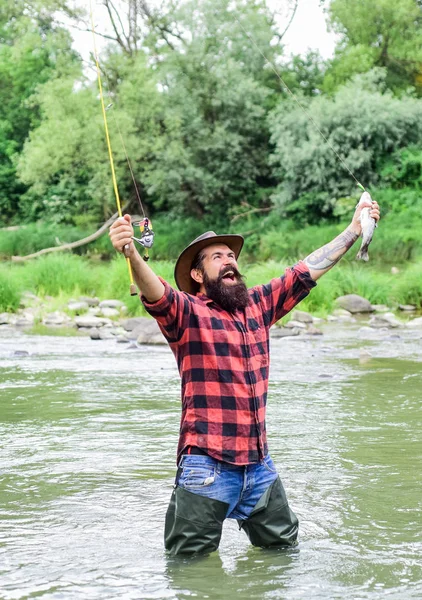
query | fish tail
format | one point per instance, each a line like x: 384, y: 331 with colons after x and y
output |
x: 363, y: 254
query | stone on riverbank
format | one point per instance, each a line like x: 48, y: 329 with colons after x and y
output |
x: 90, y: 321
x: 56, y: 319
x: 149, y: 333
x: 111, y: 304
x: 292, y: 324
x: 101, y: 334
x: 381, y: 308
x: 384, y: 320
x: 342, y: 315
x: 407, y: 307
x: 354, y: 304
x: 281, y: 332
x: 134, y: 322
x: 25, y: 319
x: 89, y: 300
x: 29, y: 299
x: 7, y: 319
x: 302, y: 317
x: 312, y: 330
x: 77, y: 306
x: 415, y: 323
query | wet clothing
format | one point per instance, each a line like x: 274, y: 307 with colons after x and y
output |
x: 223, y: 361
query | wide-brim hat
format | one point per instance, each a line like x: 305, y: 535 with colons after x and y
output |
x: 183, y: 267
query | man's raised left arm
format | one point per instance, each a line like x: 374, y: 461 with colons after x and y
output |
x: 322, y: 260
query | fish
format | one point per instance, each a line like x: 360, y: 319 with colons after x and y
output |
x: 368, y: 225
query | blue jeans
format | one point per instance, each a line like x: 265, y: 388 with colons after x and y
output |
x: 208, y: 491
x: 239, y: 487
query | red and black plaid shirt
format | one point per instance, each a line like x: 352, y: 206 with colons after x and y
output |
x: 223, y: 360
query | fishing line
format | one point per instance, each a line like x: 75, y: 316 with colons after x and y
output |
x: 309, y: 117
x: 135, y: 185
x: 133, y: 291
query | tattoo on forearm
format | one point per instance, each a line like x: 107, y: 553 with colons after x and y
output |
x: 327, y: 256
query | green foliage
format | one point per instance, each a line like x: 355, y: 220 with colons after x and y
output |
x: 33, y: 50
x: 305, y: 74
x: 362, y: 124
x: 10, y: 291
x: 404, y: 168
x: 377, y: 33
x: 31, y: 238
x: 56, y: 273
x: 215, y: 147
x: 407, y: 288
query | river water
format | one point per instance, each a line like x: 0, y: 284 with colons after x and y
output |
x: 88, y: 433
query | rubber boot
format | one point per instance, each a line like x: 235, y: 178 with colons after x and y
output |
x: 193, y: 523
x: 271, y: 523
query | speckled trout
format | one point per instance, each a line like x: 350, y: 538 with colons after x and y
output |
x: 368, y: 226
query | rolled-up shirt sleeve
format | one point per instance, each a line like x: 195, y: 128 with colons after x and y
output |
x: 171, y: 312
x: 281, y: 294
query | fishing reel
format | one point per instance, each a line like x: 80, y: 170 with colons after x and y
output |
x: 147, y: 236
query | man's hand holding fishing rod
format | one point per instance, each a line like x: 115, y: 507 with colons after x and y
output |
x: 121, y: 235
x: 218, y: 330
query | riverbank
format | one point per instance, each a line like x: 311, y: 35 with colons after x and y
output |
x: 57, y: 279
x: 108, y: 319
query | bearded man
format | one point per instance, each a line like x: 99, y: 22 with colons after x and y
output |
x: 218, y: 331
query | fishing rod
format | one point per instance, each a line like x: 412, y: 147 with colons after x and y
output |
x: 147, y: 235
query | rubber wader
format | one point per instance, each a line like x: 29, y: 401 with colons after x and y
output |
x: 272, y: 523
x: 193, y: 523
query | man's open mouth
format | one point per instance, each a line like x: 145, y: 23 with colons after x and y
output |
x: 229, y: 275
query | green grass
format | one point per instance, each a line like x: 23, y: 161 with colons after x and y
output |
x: 61, y: 276
x: 40, y: 329
x: 10, y: 290
x: 407, y: 286
x: 53, y: 274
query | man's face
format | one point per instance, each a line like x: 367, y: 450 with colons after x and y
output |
x: 219, y: 278
x: 220, y: 261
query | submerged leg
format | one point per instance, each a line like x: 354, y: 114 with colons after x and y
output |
x: 271, y: 523
x: 193, y: 523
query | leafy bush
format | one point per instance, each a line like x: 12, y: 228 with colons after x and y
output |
x: 404, y: 168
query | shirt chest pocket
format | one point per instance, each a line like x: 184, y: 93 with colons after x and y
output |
x: 259, y: 346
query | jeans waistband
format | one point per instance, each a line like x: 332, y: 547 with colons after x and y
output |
x: 194, y: 450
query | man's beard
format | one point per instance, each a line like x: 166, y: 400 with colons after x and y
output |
x: 232, y: 296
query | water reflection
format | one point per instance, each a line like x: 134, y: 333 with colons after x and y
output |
x: 255, y: 574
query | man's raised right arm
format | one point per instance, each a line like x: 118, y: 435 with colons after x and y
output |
x: 150, y: 286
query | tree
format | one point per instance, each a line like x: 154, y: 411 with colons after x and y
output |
x: 65, y: 161
x: 363, y: 124
x: 32, y: 50
x: 377, y: 33
x: 217, y: 96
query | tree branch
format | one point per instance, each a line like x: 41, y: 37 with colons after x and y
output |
x: 280, y: 36
x: 250, y: 211
x: 71, y: 245
x: 118, y: 38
